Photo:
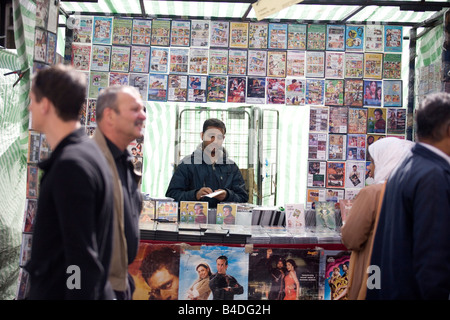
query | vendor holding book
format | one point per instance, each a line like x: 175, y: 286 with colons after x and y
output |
x: 208, y: 174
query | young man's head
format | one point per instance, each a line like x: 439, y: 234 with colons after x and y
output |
x: 59, y: 90
x: 212, y: 135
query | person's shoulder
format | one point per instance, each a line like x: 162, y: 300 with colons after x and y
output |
x: 370, y: 191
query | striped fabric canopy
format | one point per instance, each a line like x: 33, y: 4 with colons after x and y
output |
x: 215, y: 9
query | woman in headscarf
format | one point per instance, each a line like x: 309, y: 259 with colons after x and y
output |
x: 359, y: 228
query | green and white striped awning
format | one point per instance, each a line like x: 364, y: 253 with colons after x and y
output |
x: 384, y: 12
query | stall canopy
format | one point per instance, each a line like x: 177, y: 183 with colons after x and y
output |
x: 406, y: 13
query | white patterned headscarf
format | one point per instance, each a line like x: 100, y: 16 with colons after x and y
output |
x: 387, y: 154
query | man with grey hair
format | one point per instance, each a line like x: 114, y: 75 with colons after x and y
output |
x: 120, y: 120
x: 411, y: 250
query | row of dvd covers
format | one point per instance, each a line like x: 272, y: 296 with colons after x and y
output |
x: 317, y: 64
x: 257, y: 273
x: 235, y: 34
x: 252, y: 90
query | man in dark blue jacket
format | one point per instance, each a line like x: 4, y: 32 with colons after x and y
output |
x: 72, y: 237
x: 411, y: 251
x: 208, y: 169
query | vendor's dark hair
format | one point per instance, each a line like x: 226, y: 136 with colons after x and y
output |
x: 213, y: 122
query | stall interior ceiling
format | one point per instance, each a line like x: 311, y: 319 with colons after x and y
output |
x: 412, y: 13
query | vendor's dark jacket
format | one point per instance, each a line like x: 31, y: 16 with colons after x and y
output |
x: 196, y: 171
x: 73, y: 225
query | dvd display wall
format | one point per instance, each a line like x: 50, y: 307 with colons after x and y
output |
x: 348, y: 75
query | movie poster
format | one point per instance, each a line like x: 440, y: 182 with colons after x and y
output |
x: 335, y: 37
x: 197, y: 88
x: 357, y: 120
x: 337, y: 146
x: 356, y: 146
x: 220, y: 31
x: 257, y: 63
x: 315, y: 64
x: 81, y: 54
x: 278, y: 35
x: 283, y: 274
x: 179, y: 60
x: 315, y: 90
x: 142, y: 32
x: 295, y: 65
x: 258, y: 35
x: 97, y: 81
x: 316, y: 174
x: 373, y: 65
x: 218, y: 61
x: 392, y: 93
x: 353, y: 93
x: 180, y: 35
x: 334, y: 92
x: 157, y: 87
x: 256, y: 90
x: 297, y: 36
x: 122, y: 28
x: 198, y: 265
x: 102, y: 30
x: 198, y: 61
x: 317, y: 146
x: 101, y: 56
x: 140, y: 59
x: 120, y: 59
x: 318, y: 119
x: 276, y: 63
x: 336, y: 274
x: 334, y: 67
x: 276, y: 90
x: 177, y: 85
x: 217, y: 88
x: 295, y: 91
x: 354, y: 38
x: 237, y: 89
x: 354, y: 63
x: 374, y: 38
x: 393, y: 38
x: 239, y: 35
x: 159, y: 60
x: 140, y: 82
x: 338, y: 117
x: 200, y: 33
x: 237, y: 62
x: 82, y: 29
x: 160, y: 33
x: 355, y: 173
x: 316, y: 36
x: 151, y: 260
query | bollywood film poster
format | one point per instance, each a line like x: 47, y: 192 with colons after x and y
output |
x: 283, y: 274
